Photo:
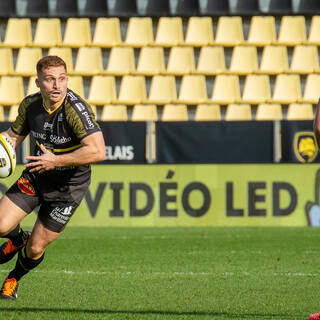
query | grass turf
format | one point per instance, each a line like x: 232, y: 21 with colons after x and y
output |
x: 173, y: 273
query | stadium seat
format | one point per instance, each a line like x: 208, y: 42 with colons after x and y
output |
x: 121, y: 61
x: 77, y: 33
x: 274, y: 60
x: 107, y: 33
x: 269, y: 112
x: 181, y: 61
x: 311, y: 89
x: 174, y: 112
x: 304, y: 60
x: 247, y: 8
x: 27, y: 60
x: 66, y: 8
x: 6, y: 61
x: 139, y: 32
x: 144, y: 112
x: 314, y: 32
x: 89, y: 61
x: 187, y: 8
x: 8, y: 9
x: 300, y: 111
x: 309, y: 7
x: 114, y: 113
x: 238, y: 112
x: 211, y: 61
x: 156, y: 8
x: 125, y: 8
x: 32, y: 87
x: 2, y: 117
x: 162, y: 90
x: 151, y: 61
x: 282, y: 7
x: 244, y: 60
x: 37, y: 8
x: 169, y: 32
x: 256, y: 89
x: 11, y: 90
x: 229, y: 31
x: 262, y: 31
x: 226, y: 89
x: 18, y: 33
x: 292, y: 30
x: 287, y: 89
x: 65, y: 54
x: 132, y: 90
x: 193, y: 90
x: 207, y: 112
x: 48, y: 33
x: 96, y: 8
x: 75, y: 83
x: 199, y: 32
x: 102, y: 90
x: 13, y: 113
x: 217, y: 8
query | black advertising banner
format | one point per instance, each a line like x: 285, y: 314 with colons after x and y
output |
x: 215, y: 142
x: 298, y: 142
x: 125, y: 141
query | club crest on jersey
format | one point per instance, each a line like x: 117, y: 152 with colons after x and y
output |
x: 305, y: 146
x: 25, y: 187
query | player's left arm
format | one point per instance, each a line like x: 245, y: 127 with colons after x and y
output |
x: 316, y: 124
x: 92, y: 150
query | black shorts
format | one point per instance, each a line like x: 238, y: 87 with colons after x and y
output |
x: 57, y: 202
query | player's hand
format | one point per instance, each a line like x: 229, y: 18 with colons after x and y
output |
x: 47, y: 161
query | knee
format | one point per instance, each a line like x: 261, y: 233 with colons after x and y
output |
x: 5, y: 229
x: 34, y: 250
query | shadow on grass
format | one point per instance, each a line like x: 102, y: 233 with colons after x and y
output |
x: 156, y: 312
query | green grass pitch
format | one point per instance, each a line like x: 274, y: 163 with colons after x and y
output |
x: 173, y: 273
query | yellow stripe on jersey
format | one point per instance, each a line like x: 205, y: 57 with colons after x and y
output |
x: 62, y: 150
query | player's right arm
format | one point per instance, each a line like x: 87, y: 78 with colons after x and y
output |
x: 316, y: 124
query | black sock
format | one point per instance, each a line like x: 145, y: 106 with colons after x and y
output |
x: 24, y: 265
x: 17, y: 236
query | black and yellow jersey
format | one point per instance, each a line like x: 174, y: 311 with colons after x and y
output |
x: 59, y: 130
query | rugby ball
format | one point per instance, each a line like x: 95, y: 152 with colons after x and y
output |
x: 7, y: 157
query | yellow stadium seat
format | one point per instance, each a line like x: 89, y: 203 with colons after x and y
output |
x: 6, y: 61
x: 18, y: 33
x: 311, y: 89
x: 11, y: 90
x: 199, y: 32
x: 102, y: 90
x: 169, y: 32
x: 162, y: 90
x: 32, y: 87
x: 139, y: 32
x: 121, y: 61
x: 107, y: 33
x: 304, y: 59
x: 287, y: 89
x: 48, y: 33
x: 211, y: 61
x: 114, y: 113
x: 77, y: 33
x: 65, y: 54
x: 151, y: 61
x: 13, y: 113
x: 314, y: 32
x: 274, y: 60
x: 75, y: 83
x: 89, y: 61
x: 292, y: 30
x: 269, y: 112
x: 2, y: 117
x: 300, y: 111
x: 256, y: 89
x: 226, y: 89
x: 181, y: 61
x: 238, y: 112
x: 132, y: 90
x: 229, y: 31
x: 207, y: 112
x: 27, y: 60
x: 262, y: 31
x: 244, y: 60
x: 193, y: 90
x: 145, y: 112
x: 174, y: 112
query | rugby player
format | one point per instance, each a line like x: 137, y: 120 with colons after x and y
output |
x: 56, y: 177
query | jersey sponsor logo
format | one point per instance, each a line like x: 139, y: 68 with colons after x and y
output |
x: 89, y: 120
x: 80, y: 106
x: 61, y: 214
x: 39, y: 135
x: 25, y: 187
x: 60, y: 117
x: 72, y: 96
x: 48, y: 126
x: 59, y: 140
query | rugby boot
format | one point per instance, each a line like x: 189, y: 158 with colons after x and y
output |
x: 9, y: 290
x: 314, y: 316
x: 8, y: 249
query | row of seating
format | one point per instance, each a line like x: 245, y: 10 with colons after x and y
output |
x: 203, y: 112
x: 169, y: 32
x: 192, y: 91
